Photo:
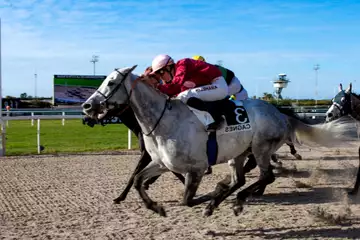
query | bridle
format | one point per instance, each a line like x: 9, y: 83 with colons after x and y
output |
x: 106, y: 102
x: 343, y: 111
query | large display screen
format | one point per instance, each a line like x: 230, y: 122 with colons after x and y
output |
x: 75, y: 89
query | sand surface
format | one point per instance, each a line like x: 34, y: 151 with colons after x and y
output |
x: 70, y: 197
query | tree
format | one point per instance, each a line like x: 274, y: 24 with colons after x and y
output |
x: 267, y: 96
x: 9, y: 97
x: 23, y: 95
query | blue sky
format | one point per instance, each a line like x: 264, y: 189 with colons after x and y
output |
x: 255, y: 39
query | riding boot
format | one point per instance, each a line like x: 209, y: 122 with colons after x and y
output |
x: 216, y: 113
x: 197, y: 103
x: 212, y: 109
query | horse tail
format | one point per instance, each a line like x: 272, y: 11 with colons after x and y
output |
x: 327, y: 135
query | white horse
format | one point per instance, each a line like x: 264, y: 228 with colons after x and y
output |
x: 176, y: 140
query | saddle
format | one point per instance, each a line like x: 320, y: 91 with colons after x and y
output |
x: 235, y: 115
x: 218, y: 109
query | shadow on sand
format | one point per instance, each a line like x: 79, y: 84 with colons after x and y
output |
x: 285, y: 233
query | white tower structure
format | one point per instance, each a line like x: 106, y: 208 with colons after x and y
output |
x: 279, y: 84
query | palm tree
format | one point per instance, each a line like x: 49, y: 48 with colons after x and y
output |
x: 267, y: 96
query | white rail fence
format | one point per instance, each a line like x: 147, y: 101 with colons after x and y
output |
x: 4, y: 121
x: 304, y: 112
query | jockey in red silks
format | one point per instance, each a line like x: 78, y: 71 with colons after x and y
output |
x: 192, y: 82
x: 236, y: 89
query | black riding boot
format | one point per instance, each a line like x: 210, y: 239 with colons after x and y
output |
x: 202, y: 106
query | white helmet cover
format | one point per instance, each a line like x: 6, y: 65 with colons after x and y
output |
x: 161, y: 61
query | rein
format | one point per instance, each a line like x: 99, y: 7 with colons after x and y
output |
x: 167, y: 104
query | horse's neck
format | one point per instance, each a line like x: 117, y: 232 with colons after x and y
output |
x: 355, y: 107
x: 146, y: 103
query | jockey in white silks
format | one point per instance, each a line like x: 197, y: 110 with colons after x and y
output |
x: 192, y: 82
x: 236, y: 89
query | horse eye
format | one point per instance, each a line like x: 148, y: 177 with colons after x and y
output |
x: 111, y: 84
x: 342, y: 99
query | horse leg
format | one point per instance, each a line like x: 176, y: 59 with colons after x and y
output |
x: 274, y: 158
x: 228, y: 186
x: 268, y: 148
x: 265, y: 179
x: 144, y: 160
x: 357, y: 182
x: 250, y: 164
x: 262, y: 156
x: 150, y: 181
x: 192, y: 182
x: 152, y: 170
x: 293, y: 151
x: 261, y: 189
x: 277, y: 163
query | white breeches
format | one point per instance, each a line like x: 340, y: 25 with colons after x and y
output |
x: 218, y: 90
x: 234, y: 88
x: 242, y: 95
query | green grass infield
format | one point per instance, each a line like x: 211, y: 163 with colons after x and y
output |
x: 21, y: 137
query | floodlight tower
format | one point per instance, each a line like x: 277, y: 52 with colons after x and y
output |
x: 279, y: 84
x: 94, y: 60
x: 35, y: 84
x: 316, y: 68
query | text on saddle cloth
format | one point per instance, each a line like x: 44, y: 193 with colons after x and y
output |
x: 234, y: 112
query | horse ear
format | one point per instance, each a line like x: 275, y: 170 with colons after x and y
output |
x: 132, y: 68
x: 348, y: 90
x: 340, y: 87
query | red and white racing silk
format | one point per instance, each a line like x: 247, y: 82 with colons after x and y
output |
x: 189, y: 74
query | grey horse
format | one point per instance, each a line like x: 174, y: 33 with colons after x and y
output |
x: 346, y: 104
x: 177, y: 141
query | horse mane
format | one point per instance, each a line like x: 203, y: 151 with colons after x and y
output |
x: 356, y: 95
x: 145, y: 80
x: 355, y: 106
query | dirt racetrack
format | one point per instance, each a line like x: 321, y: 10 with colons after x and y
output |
x: 70, y: 197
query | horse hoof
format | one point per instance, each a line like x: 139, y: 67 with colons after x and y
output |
x: 297, y: 156
x: 207, y: 212
x: 208, y: 171
x: 118, y: 200
x: 238, y: 209
x: 161, y: 211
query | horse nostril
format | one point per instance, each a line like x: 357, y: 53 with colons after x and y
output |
x: 87, y: 106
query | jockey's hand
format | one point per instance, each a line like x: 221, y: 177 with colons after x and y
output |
x: 148, y: 70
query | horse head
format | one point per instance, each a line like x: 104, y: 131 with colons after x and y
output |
x: 341, y: 104
x: 111, y: 94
